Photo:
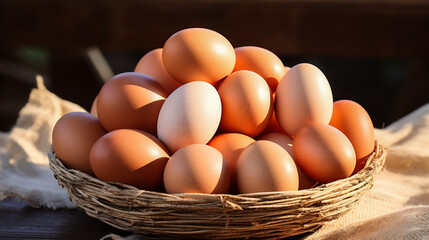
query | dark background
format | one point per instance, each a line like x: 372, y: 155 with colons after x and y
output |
x: 373, y: 52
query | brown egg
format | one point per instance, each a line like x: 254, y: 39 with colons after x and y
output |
x: 231, y: 145
x: 151, y: 64
x: 247, y: 104
x: 198, y: 54
x: 324, y: 153
x: 285, y: 142
x: 261, y: 61
x: 265, y: 166
x: 281, y: 139
x: 353, y: 120
x: 93, y: 110
x: 196, y: 168
x: 73, y: 136
x: 303, y: 96
x: 130, y: 100
x: 130, y: 156
x: 274, y: 126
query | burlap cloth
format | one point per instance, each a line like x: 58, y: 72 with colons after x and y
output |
x: 397, y: 207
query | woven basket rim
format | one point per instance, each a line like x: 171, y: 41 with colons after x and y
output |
x: 188, y: 214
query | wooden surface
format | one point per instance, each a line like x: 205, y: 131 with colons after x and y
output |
x: 287, y: 27
x: 19, y: 221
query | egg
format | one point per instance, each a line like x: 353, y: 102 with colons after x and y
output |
x: 93, y: 110
x: 324, y: 153
x: 196, y: 168
x: 285, y: 142
x: 130, y: 100
x: 273, y: 126
x: 261, y: 61
x: 198, y: 54
x: 265, y: 166
x: 73, y: 136
x: 286, y: 69
x: 247, y: 104
x: 231, y: 145
x: 354, y: 121
x: 152, y: 65
x: 360, y: 164
x: 281, y: 139
x: 130, y: 156
x: 303, y: 96
x: 191, y: 114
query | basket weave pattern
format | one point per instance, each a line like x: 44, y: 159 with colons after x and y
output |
x: 221, y: 216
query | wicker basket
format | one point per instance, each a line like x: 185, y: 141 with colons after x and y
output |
x: 221, y: 216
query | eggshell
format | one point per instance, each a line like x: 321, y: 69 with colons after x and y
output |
x: 130, y: 156
x: 198, y: 54
x: 281, y: 139
x: 191, y: 114
x: 261, y: 61
x: 303, y: 96
x: 360, y: 164
x: 354, y: 121
x: 151, y: 64
x: 196, y: 168
x: 93, y: 110
x: 285, y: 142
x: 273, y: 126
x: 231, y: 145
x: 247, y: 104
x: 130, y: 100
x: 265, y: 166
x: 73, y: 136
x: 324, y: 153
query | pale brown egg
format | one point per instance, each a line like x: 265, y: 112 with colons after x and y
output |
x: 324, y: 153
x: 265, y: 166
x: 130, y: 156
x: 151, y: 64
x: 261, y: 61
x: 130, y: 100
x: 191, y: 114
x: 231, y: 145
x: 196, y: 168
x: 198, y: 54
x: 354, y: 121
x: 303, y: 96
x: 73, y: 136
x: 247, y: 103
x: 285, y: 142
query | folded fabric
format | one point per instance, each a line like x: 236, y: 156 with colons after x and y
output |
x: 24, y: 168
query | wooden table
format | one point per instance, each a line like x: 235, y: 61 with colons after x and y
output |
x: 19, y: 221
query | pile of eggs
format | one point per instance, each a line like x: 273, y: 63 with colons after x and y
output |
x: 199, y: 116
